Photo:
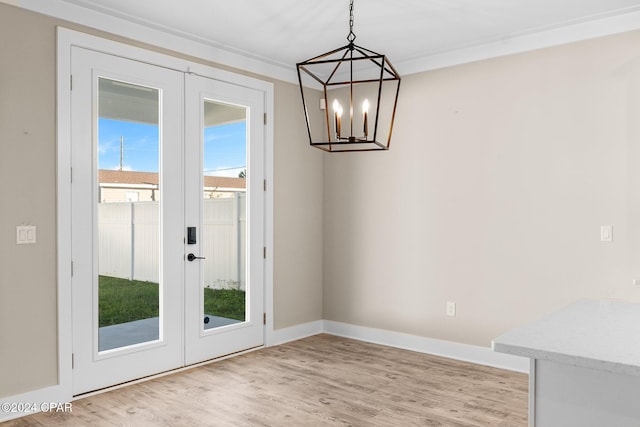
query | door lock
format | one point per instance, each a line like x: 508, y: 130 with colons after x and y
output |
x: 191, y: 235
x: 192, y: 257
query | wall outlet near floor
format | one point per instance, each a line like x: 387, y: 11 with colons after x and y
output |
x: 606, y: 233
x: 451, y: 308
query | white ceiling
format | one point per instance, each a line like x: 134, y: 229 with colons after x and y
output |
x: 414, y: 34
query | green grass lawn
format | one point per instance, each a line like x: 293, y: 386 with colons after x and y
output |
x: 227, y: 303
x: 122, y: 301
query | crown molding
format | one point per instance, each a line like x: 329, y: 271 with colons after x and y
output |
x: 157, y: 37
x: 207, y: 50
x: 559, y: 35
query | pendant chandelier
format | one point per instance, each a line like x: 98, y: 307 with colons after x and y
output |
x: 349, y: 96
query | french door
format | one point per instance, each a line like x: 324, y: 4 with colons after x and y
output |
x: 166, y: 236
x: 227, y: 249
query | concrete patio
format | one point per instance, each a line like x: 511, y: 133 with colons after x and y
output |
x: 140, y: 331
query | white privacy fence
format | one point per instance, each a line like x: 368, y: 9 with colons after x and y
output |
x: 129, y: 241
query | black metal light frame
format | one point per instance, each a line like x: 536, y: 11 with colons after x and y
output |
x: 343, y: 67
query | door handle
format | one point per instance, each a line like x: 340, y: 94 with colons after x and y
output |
x: 192, y: 257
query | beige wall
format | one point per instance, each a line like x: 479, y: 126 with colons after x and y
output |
x: 28, y: 342
x: 28, y: 333
x: 298, y: 209
x: 499, y: 176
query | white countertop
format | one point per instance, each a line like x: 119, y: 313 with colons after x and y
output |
x: 597, y: 334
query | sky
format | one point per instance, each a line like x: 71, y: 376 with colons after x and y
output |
x: 224, y: 152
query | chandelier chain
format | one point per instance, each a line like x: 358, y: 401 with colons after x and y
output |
x: 351, y: 37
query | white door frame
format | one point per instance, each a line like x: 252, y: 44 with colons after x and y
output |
x: 66, y: 39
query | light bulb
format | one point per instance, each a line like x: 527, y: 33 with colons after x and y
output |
x: 365, y: 106
x: 365, y: 117
x: 337, y: 108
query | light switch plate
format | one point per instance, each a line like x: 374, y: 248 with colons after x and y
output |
x: 25, y: 234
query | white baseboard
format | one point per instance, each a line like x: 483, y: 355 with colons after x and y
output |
x: 282, y: 336
x: 44, y: 399
x: 452, y: 350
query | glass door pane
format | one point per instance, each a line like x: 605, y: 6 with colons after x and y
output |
x: 224, y: 214
x: 128, y: 157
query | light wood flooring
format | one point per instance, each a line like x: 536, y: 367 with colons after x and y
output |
x: 318, y: 381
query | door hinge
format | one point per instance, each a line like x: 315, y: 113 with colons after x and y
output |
x: 71, y: 82
x: 71, y: 268
x: 264, y: 318
x: 73, y: 360
x: 264, y: 252
x: 265, y: 118
x: 71, y: 174
x: 264, y: 185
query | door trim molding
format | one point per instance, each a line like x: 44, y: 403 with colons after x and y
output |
x: 65, y: 40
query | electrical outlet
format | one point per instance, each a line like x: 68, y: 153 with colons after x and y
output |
x: 451, y: 308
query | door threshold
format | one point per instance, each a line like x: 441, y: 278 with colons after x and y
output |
x: 165, y: 373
